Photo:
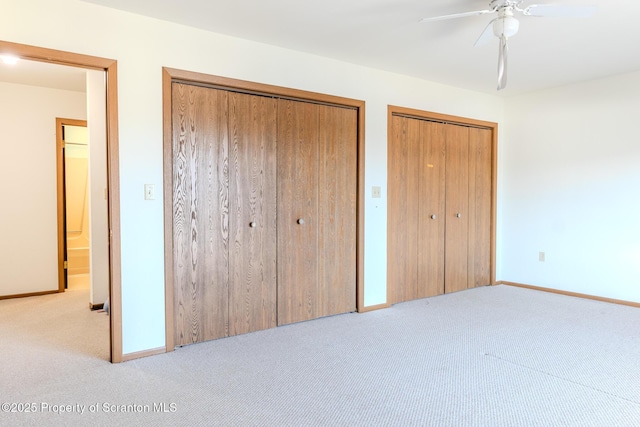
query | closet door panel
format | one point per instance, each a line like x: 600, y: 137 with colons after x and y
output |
x: 414, y: 142
x: 200, y: 213
x: 397, y: 259
x: 297, y: 219
x: 403, y: 215
x: 457, y: 208
x: 252, y: 179
x: 432, y: 209
x: 480, y: 189
x: 337, y: 213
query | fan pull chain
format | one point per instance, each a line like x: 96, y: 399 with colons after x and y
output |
x: 502, y: 63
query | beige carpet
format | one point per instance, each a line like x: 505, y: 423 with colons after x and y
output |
x: 495, y: 356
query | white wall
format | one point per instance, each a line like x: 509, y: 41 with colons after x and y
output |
x: 28, y: 218
x: 142, y: 46
x: 571, y: 188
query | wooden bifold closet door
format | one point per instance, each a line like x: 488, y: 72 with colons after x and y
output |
x: 264, y: 211
x: 252, y: 213
x: 317, y: 180
x: 200, y: 213
x: 224, y: 215
x: 439, y: 208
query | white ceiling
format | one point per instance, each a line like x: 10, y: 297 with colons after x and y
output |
x: 34, y: 73
x: 386, y: 34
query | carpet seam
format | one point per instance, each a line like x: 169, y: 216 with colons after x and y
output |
x: 530, y: 368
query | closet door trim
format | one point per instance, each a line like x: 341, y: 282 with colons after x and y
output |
x: 393, y: 110
x: 170, y: 75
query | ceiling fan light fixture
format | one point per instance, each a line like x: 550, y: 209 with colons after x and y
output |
x: 506, y: 26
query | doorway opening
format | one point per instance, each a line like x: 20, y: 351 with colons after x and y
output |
x: 73, y: 147
x: 82, y: 209
x: 107, y: 69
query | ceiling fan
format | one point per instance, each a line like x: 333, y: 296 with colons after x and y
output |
x: 506, y: 25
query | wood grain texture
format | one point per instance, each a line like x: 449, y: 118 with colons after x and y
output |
x: 439, y: 117
x: 298, y: 150
x: 457, y: 202
x: 416, y: 192
x: 454, y: 176
x: 480, y: 197
x: 252, y: 168
x: 412, y: 207
x: 397, y: 234
x: 200, y: 213
x: 337, y: 205
x: 477, y: 267
x: 171, y: 76
x: 430, y: 233
x: 262, y: 89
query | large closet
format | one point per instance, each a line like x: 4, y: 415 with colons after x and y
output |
x: 440, y: 206
x: 264, y: 195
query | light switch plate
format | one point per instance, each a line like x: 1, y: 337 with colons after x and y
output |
x: 149, y: 192
x: 376, y: 192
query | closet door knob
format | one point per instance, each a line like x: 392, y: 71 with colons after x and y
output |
x: 458, y: 215
x: 300, y: 221
x: 252, y: 224
x: 433, y: 216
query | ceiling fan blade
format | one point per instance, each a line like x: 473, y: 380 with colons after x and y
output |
x: 456, y: 15
x: 559, y: 11
x: 486, y: 35
x: 502, y: 63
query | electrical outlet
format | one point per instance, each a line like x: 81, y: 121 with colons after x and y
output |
x: 541, y: 256
x: 376, y: 192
